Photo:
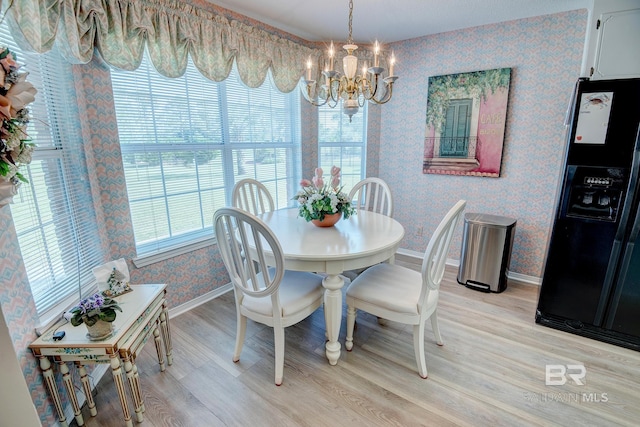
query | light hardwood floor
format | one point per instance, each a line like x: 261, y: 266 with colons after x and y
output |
x: 490, y: 372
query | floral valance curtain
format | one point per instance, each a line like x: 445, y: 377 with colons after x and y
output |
x: 171, y: 30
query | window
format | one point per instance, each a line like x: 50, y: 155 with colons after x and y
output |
x: 343, y: 143
x: 455, y: 137
x: 53, y: 214
x: 186, y: 141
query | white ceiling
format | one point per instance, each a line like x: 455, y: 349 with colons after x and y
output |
x: 390, y: 20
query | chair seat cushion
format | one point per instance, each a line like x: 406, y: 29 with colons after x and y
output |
x: 389, y: 286
x: 298, y: 290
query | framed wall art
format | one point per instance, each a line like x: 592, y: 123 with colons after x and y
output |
x: 465, y: 123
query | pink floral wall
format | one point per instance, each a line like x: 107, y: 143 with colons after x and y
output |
x: 545, y: 55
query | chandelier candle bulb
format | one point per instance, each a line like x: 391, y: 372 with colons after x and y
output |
x: 331, y: 53
x: 392, y: 62
x: 376, y: 54
x: 309, y: 68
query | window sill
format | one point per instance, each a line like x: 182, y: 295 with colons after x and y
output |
x: 173, y: 251
x: 55, y: 314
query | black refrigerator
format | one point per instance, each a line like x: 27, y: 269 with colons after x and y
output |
x: 591, y: 280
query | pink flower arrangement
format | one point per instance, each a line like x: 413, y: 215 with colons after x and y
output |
x: 318, y: 198
x: 15, y: 94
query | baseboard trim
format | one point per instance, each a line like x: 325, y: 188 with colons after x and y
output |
x: 189, y: 305
x: 408, y: 255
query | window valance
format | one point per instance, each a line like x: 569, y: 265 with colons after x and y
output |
x: 171, y: 30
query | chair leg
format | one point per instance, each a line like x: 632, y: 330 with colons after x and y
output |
x: 436, y: 329
x: 418, y: 348
x: 241, y: 328
x: 278, y: 340
x: 351, y: 322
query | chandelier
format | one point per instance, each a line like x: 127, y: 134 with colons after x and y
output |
x: 354, y: 89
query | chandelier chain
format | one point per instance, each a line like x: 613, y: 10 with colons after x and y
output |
x: 350, y: 40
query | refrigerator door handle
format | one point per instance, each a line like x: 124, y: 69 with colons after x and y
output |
x: 608, y: 303
x: 622, y: 274
x: 608, y: 282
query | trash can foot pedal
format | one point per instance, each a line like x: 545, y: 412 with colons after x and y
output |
x: 482, y: 287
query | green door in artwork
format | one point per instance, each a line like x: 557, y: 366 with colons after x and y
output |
x: 454, y: 141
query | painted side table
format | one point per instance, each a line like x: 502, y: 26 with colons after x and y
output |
x: 144, y: 315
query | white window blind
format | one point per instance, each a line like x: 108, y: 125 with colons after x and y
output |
x: 53, y: 213
x: 186, y: 141
x: 343, y: 143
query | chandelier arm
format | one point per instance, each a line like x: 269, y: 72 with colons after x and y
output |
x: 387, y: 96
x: 373, y: 88
x: 314, y: 100
x: 335, y: 87
x: 367, y: 86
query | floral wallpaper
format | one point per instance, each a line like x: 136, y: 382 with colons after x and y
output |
x: 544, y: 54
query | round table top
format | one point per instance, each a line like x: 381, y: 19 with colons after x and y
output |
x: 362, y: 240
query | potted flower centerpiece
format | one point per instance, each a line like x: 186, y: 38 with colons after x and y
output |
x: 15, y: 146
x: 323, y: 203
x: 97, y: 312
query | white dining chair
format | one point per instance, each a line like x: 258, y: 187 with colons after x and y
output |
x: 403, y: 295
x: 264, y: 291
x: 372, y: 194
x: 252, y: 196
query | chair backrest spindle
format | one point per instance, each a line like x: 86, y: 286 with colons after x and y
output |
x: 372, y: 194
x: 237, y: 232
x: 252, y: 196
x: 435, y: 256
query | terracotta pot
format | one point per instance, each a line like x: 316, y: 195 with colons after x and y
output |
x: 328, y: 221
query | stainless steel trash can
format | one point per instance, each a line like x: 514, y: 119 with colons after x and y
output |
x: 486, y: 251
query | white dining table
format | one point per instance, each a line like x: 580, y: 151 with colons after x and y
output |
x: 364, y: 239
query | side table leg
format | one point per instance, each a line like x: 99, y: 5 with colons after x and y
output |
x: 333, y: 284
x: 137, y: 379
x: 71, y: 392
x: 86, y: 386
x: 156, y: 340
x: 134, y: 386
x: 116, y: 371
x: 50, y: 381
x: 166, y: 334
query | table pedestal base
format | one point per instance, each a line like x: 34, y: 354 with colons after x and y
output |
x: 333, y: 284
